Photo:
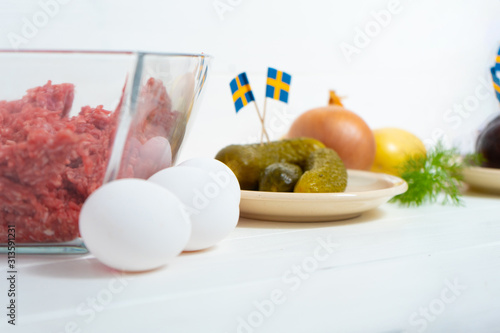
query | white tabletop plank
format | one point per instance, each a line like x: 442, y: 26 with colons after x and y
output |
x: 380, y: 273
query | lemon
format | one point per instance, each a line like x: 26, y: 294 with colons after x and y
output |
x: 393, y: 147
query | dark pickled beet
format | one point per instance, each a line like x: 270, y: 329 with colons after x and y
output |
x: 488, y: 144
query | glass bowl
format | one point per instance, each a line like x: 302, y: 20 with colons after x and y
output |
x: 71, y: 121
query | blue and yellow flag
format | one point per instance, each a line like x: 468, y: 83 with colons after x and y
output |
x: 242, y: 93
x: 496, y: 82
x: 495, y: 72
x: 278, y: 85
x: 497, y: 64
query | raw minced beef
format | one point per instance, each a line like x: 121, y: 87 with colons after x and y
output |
x: 49, y: 162
x: 154, y: 118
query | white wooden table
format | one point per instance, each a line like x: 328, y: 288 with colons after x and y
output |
x: 429, y: 269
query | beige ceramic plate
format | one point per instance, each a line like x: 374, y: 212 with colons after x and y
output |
x: 483, y: 179
x: 365, y: 191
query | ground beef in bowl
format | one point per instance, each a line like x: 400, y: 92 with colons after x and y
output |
x: 50, y: 162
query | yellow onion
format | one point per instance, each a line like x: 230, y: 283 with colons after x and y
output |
x: 339, y: 129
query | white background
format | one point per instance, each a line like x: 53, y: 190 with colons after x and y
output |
x: 420, y: 65
x: 429, y: 60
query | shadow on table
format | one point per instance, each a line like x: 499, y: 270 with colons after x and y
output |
x: 82, y: 268
x: 477, y: 193
x: 369, y: 216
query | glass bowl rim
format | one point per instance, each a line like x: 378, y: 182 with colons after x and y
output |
x: 108, y: 52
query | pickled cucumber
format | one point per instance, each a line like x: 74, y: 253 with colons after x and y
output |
x: 324, y: 172
x: 279, y: 177
x: 248, y: 161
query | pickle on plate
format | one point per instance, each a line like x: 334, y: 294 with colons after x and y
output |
x: 248, y: 161
x: 324, y: 172
x: 279, y: 177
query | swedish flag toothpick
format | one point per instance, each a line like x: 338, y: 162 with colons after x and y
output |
x: 495, y: 72
x: 497, y: 64
x: 277, y: 88
x: 496, y: 82
x: 243, y: 95
x: 278, y: 85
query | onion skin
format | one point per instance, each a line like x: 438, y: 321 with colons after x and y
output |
x: 341, y: 130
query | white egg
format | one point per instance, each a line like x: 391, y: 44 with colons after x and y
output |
x: 219, y: 171
x: 158, y: 151
x: 209, y: 201
x: 154, y: 155
x: 134, y: 225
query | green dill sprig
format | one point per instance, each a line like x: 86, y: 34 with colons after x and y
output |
x: 438, y: 173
